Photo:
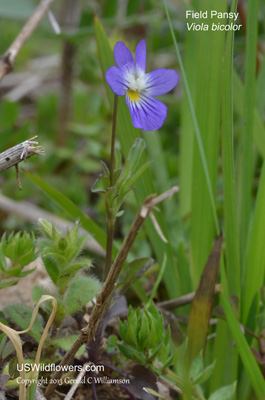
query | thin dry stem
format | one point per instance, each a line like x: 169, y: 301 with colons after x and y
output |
x: 7, y: 60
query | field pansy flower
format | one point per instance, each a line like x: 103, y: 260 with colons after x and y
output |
x: 129, y: 78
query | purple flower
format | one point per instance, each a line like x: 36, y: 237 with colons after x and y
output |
x: 129, y: 78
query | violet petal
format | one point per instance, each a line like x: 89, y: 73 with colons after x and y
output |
x: 122, y: 55
x: 148, y: 113
x: 140, y: 55
x: 116, y: 80
x: 161, y: 81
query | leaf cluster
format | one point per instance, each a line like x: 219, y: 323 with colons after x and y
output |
x: 16, y: 252
x: 144, y: 338
x: 124, y: 177
x: 60, y: 253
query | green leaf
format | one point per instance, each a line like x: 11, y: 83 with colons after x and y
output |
x: 196, y: 368
x: 230, y: 210
x: 21, y: 315
x: 68, y: 273
x: 137, y: 174
x: 80, y: 292
x: 7, y: 284
x: 246, y: 169
x: 224, y: 393
x: 66, y: 343
x: 135, y: 154
x: 6, y: 346
x: 52, y: 267
x: 12, y: 368
x: 25, y: 273
x: 100, y: 186
x: 131, y: 353
x: 3, y: 265
x: 13, y: 272
x: 205, y: 374
x: 143, y: 333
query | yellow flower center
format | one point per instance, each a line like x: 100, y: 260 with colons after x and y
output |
x: 133, y: 94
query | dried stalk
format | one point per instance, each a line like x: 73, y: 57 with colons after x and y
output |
x: 109, y: 286
x: 71, y: 14
x: 7, y: 60
x: 183, y: 300
x: 18, y: 153
x: 73, y: 389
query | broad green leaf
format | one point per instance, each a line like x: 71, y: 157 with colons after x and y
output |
x: 79, y: 292
x: 224, y: 393
x: 66, y: 343
x: 21, y: 315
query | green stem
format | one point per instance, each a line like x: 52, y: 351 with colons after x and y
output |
x: 113, y: 135
x: 110, y: 218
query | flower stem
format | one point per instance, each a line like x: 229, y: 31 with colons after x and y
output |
x: 110, y: 217
x: 113, y: 135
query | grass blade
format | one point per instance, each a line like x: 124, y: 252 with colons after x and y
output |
x: 259, y: 131
x: 246, y: 355
x: 246, y: 172
x: 187, y: 129
x: 255, y: 259
x: 230, y: 212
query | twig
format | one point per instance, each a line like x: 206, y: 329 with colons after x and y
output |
x: 109, y: 285
x: 77, y: 381
x: 71, y: 14
x: 182, y: 301
x: 7, y: 60
x: 18, y: 153
x: 18, y: 177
